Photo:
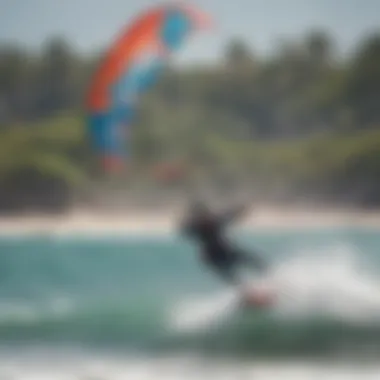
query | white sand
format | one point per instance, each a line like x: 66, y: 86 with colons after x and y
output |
x: 86, y: 222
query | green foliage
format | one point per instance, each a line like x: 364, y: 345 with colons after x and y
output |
x: 45, y: 146
x: 301, y: 122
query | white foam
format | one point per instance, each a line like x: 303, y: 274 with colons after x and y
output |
x: 196, y: 313
x: 104, y: 367
x: 328, y: 282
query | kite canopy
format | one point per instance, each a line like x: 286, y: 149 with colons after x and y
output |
x: 132, y: 65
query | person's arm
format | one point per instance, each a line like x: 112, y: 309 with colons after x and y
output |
x: 232, y: 214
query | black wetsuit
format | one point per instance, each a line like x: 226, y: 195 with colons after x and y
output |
x: 217, y: 251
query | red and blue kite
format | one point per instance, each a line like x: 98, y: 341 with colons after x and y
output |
x: 131, y: 66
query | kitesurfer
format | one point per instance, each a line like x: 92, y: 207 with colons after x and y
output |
x: 208, y: 229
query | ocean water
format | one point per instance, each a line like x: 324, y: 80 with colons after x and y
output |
x: 143, y: 307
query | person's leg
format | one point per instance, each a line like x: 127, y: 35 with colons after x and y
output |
x: 252, y: 259
x: 226, y: 271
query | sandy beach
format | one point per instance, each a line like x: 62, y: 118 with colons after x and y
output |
x: 86, y: 222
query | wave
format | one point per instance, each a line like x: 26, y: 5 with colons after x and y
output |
x: 99, y: 295
x: 135, y: 330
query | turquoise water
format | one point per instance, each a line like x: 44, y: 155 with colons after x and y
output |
x: 129, y: 294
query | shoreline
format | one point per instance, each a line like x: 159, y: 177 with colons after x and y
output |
x: 135, y: 222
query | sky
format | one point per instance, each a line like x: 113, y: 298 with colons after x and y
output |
x: 91, y: 24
